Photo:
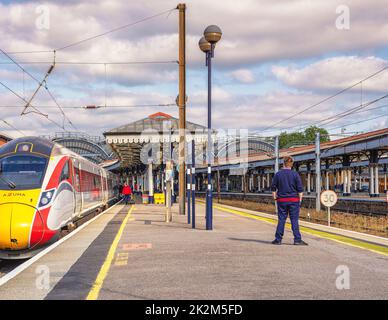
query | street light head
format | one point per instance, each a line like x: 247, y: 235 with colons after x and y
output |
x: 212, y: 34
x: 204, y: 45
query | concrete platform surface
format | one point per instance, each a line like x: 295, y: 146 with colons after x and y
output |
x: 134, y: 254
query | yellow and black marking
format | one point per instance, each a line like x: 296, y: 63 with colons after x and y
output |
x: 376, y: 248
x: 98, y: 283
x: 17, y: 212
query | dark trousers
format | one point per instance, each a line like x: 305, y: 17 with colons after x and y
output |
x: 285, y: 208
x: 126, y: 198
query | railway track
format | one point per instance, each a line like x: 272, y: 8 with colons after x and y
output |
x: 7, y: 266
x: 355, y: 204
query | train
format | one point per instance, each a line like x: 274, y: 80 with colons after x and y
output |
x: 44, y: 189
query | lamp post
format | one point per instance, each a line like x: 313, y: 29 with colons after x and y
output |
x: 212, y: 35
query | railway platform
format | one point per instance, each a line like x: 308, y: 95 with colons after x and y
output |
x: 129, y: 252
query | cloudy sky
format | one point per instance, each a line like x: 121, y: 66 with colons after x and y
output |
x: 275, y: 59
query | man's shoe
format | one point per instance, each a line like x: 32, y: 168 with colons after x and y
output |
x: 300, y: 243
x: 276, y: 242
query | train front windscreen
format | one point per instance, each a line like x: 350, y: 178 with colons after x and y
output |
x: 22, y: 172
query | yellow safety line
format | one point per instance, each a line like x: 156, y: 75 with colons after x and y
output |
x: 95, y: 291
x: 320, y: 234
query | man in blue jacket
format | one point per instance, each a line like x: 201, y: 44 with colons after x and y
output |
x: 287, y: 190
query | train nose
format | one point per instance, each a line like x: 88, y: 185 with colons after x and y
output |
x: 16, y: 220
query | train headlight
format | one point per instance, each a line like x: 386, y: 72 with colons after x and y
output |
x: 46, y: 198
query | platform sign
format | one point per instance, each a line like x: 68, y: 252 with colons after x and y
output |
x: 328, y: 198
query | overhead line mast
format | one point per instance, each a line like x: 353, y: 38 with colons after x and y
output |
x: 182, y: 106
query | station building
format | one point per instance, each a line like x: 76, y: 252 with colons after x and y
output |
x: 4, y: 139
x: 349, y: 165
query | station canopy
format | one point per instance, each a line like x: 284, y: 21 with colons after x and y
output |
x: 127, y: 141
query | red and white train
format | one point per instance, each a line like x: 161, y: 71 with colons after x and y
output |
x: 44, y: 188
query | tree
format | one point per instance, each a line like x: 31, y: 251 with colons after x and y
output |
x: 287, y: 140
x: 311, y: 132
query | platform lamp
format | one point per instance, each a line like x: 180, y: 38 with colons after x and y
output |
x: 212, y: 35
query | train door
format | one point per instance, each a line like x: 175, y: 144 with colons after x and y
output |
x: 104, y: 176
x: 102, y: 198
x: 77, y: 188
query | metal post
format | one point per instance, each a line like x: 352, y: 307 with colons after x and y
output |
x: 182, y: 105
x: 218, y: 185
x: 317, y: 172
x: 268, y: 181
x: 377, y: 182
x: 150, y: 183
x: 193, y: 183
x: 349, y: 182
x: 276, y: 164
x: 209, y: 198
x: 345, y: 182
x: 371, y: 181
x: 276, y: 154
x: 169, y: 181
x: 188, y: 179
x: 328, y: 216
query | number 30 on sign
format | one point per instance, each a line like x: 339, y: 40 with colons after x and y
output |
x: 329, y: 198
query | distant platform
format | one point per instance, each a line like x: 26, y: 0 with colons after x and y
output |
x: 131, y: 253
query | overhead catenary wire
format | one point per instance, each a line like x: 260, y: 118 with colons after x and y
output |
x: 356, y: 112
x: 97, y: 62
x: 115, y: 29
x: 18, y: 64
x: 12, y: 126
x: 61, y: 109
x: 338, y: 116
x: 30, y: 51
x: 40, y: 84
x: 33, y: 107
x: 358, y: 122
x: 324, y: 100
x: 74, y: 44
x: 350, y: 112
x: 100, y: 106
x: 168, y: 12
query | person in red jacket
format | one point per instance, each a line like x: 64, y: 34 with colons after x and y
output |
x: 127, y: 191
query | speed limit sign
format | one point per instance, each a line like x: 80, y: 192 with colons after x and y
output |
x: 329, y: 198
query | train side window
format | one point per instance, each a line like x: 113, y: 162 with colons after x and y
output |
x: 77, y: 179
x: 65, y: 174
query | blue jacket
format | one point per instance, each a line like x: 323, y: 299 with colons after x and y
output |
x: 287, y: 183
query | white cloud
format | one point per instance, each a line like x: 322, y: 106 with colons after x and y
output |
x: 253, y: 32
x: 335, y: 74
x: 243, y: 76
